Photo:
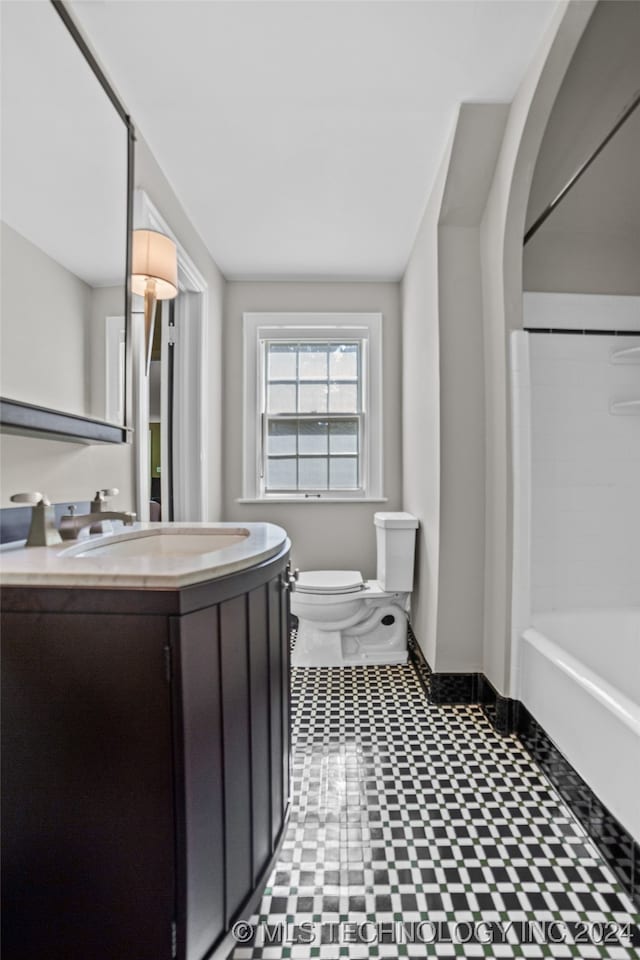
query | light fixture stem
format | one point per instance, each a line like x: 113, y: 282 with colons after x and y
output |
x: 149, y: 320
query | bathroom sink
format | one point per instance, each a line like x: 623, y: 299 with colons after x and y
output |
x: 161, y: 543
x: 145, y: 556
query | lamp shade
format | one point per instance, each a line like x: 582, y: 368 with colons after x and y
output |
x: 154, y: 257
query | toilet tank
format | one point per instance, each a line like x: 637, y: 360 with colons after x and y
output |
x: 396, y: 545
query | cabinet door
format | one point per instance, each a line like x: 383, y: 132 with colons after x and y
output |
x: 198, y: 710
x: 232, y: 738
x: 285, y: 642
x: 88, y: 849
x: 236, y: 725
x: 260, y: 719
x: 278, y: 692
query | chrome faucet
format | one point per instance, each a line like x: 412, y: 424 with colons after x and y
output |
x: 98, y: 506
x: 42, y: 532
x: 71, y: 524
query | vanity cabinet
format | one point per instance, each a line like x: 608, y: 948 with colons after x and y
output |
x: 146, y: 764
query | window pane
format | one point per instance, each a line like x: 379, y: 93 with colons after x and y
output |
x: 313, y: 436
x: 344, y: 436
x: 343, y: 361
x: 281, y: 438
x: 281, y: 398
x: 313, y: 473
x: 281, y: 474
x: 308, y: 383
x: 343, y: 397
x: 312, y: 361
x: 343, y: 473
x: 313, y: 398
x: 282, y: 361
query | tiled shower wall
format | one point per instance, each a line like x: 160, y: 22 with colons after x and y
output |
x: 585, y: 521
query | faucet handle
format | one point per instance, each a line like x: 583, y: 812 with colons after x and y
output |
x: 42, y: 532
x: 106, y: 493
x: 34, y: 498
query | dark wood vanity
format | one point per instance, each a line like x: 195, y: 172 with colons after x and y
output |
x: 146, y: 764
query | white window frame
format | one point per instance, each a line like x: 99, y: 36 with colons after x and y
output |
x: 364, y: 327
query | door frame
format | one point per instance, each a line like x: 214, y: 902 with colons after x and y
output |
x: 191, y: 393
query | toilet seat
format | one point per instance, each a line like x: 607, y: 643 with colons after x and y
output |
x: 334, y: 582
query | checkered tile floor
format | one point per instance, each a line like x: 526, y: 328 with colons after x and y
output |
x: 406, y: 811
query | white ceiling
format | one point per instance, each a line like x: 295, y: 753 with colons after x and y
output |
x: 303, y: 137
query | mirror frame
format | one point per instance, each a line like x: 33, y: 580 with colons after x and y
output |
x: 28, y: 419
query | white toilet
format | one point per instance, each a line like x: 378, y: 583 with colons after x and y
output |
x: 343, y: 620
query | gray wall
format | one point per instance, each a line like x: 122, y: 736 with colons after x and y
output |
x: 105, y: 302
x: 44, y: 310
x: 573, y: 262
x: 460, y: 581
x: 324, y: 535
x: 602, y: 78
x: 64, y: 471
x: 591, y: 242
x: 55, y: 376
x: 421, y: 413
x: 443, y: 460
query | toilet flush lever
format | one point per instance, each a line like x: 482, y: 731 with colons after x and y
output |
x: 290, y: 578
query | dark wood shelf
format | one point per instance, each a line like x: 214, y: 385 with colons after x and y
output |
x: 26, y: 419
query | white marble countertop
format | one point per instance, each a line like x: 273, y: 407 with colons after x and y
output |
x: 71, y: 563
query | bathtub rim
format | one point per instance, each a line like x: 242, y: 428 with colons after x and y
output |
x: 609, y: 696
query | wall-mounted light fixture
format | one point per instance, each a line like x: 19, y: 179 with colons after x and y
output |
x: 154, y: 276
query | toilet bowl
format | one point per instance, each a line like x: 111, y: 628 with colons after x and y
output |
x: 344, y: 620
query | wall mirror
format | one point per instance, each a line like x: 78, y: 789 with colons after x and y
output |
x: 66, y: 209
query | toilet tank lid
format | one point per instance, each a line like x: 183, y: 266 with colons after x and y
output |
x: 397, y: 521
x: 330, y: 581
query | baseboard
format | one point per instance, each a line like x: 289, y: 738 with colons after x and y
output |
x: 502, y: 712
x: 461, y: 688
x: 452, y: 688
x: 417, y: 658
x: 615, y: 843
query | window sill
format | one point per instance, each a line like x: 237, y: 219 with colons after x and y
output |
x: 264, y: 500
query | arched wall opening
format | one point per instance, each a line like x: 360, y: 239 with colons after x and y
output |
x: 575, y: 413
x: 501, y: 234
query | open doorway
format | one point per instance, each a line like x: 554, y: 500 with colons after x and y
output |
x: 161, y: 413
x: 171, y: 399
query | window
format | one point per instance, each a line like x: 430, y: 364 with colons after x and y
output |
x: 313, y: 419
x: 312, y: 406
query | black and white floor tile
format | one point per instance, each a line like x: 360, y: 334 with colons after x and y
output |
x: 408, y: 812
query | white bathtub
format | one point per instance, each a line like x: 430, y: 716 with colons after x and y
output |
x: 580, y: 678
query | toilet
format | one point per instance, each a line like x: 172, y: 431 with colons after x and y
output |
x: 344, y: 620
